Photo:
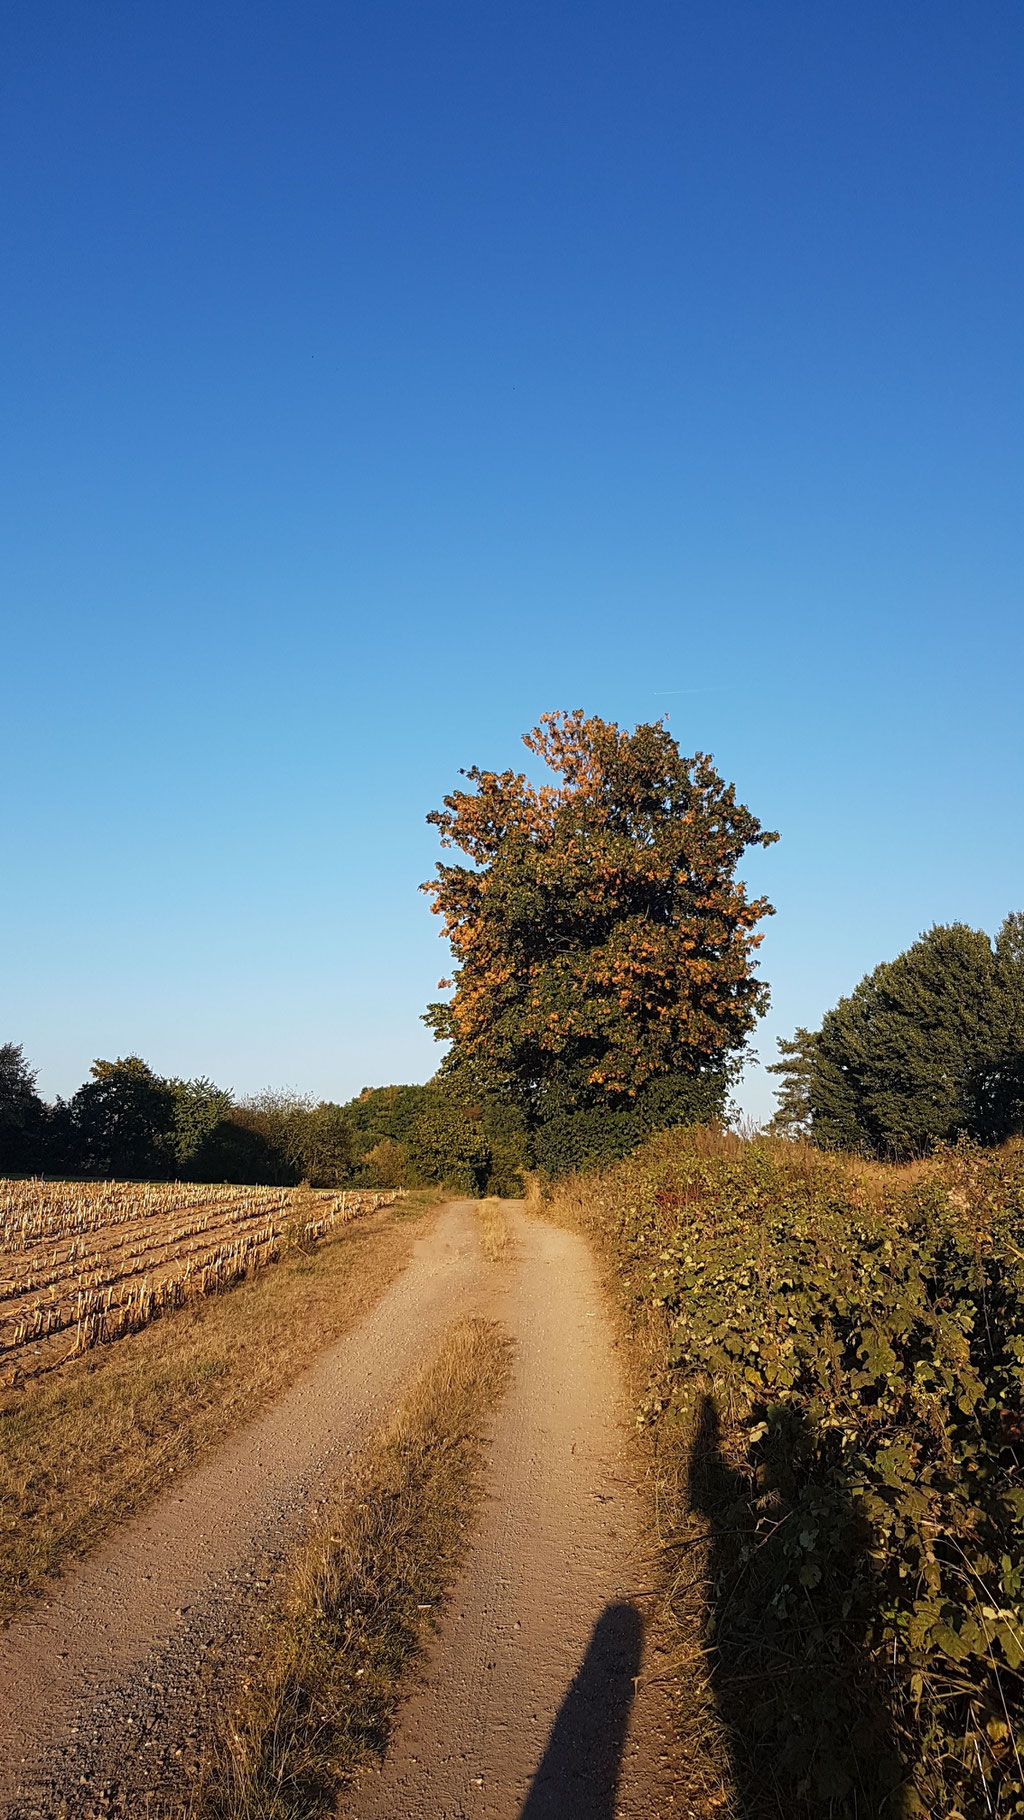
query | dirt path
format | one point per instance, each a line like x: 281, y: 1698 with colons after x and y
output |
x: 526, y: 1707
x: 105, y: 1684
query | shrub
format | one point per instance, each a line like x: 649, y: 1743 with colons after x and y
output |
x: 843, y: 1348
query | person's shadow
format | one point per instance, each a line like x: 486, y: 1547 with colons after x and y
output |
x: 789, y: 1605
x: 578, y: 1775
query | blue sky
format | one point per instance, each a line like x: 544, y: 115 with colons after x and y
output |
x: 379, y: 377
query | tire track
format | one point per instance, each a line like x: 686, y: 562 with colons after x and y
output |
x: 526, y: 1706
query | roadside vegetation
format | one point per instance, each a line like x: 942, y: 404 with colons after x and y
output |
x: 358, y: 1598
x: 83, y: 1447
x: 833, y: 1363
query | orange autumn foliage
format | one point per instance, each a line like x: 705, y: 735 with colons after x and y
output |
x: 599, y: 930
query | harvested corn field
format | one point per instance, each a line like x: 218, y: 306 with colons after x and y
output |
x: 83, y: 1263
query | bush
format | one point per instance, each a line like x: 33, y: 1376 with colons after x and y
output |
x: 387, y: 1164
x: 573, y: 1138
x: 843, y: 1349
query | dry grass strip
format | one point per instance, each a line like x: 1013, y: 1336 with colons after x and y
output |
x: 356, y: 1601
x: 534, y: 1202
x: 84, y: 1448
x: 495, y: 1236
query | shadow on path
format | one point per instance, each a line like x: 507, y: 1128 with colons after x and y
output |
x: 578, y: 1775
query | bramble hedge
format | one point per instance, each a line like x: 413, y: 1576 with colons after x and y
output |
x: 845, y: 1346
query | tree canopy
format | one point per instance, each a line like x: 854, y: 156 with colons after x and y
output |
x: 22, y: 1113
x: 605, y: 948
x: 927, y: 1047
x: 122, y: 1118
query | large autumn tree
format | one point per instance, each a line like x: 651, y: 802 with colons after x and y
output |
x: 605, y: 948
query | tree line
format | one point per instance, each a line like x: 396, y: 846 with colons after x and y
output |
x: 128, y: 1122
x: 605, y: 986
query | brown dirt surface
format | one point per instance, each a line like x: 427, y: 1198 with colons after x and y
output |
x: 539, y: 1698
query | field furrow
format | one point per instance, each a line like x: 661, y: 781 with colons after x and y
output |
x: 81, y: 1264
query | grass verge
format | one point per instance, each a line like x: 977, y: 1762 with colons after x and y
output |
x: 81, y: 1450
x: 356, y: 1601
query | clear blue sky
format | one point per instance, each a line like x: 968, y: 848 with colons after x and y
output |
x: 377, y: 377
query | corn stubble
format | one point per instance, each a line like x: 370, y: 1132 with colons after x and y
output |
x: 356, y: 1602
x: 83, y: 1447
x: 82, y: 1264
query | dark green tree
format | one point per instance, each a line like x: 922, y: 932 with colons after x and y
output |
x: 22, y: 1114
x: 470, y: 1139
x: 797, y: 1067
x: 121, y: 1121
x: 998, y: 1087
x: 926, y: 1048
x: 299, y: 1139
x: 448, y: 1142
x: 381, y: 1115
x: 319, y: 1139
x: 198, y: 1109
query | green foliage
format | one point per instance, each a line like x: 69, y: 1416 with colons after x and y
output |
x: 320, y: 1139
x: 471, y: 1141
x: 121, y: 1120
x: 198, y: 1108
x: 22, y: 1113
x: 604, y: 945
x: 449, y: 1144
x: 848, y: 1352
x: 799, y: 1059
x: 387, y: 1164
x: 450, y: 1131
x: 928, y: 1047
x: 301, y: 1139
x: 568, y: 1137
x: 234, y: 1152
x: 381, y: 1121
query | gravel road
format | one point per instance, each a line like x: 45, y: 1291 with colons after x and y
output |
x: 528, y: 1707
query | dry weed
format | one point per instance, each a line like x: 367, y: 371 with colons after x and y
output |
x: 495, y: 1235
x: 533, y: 1194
